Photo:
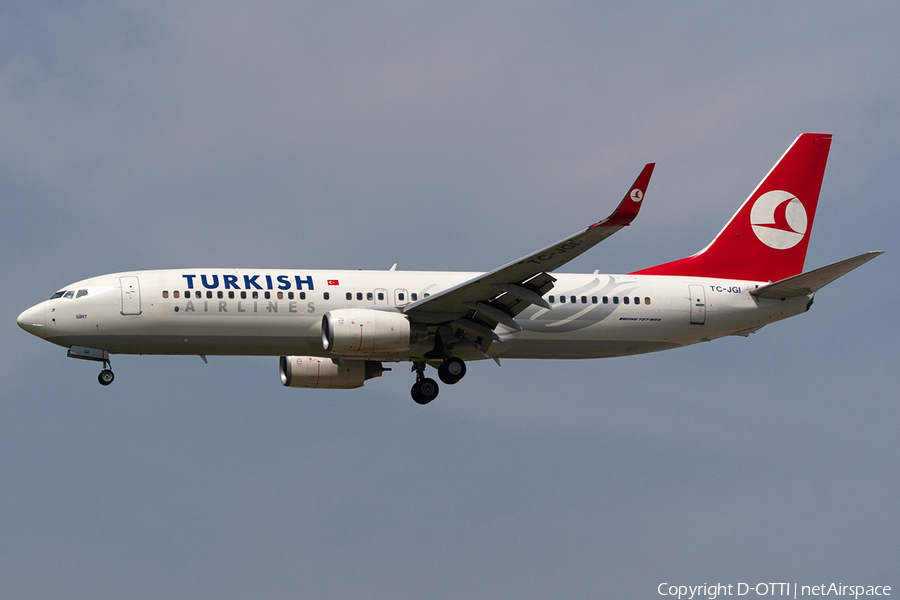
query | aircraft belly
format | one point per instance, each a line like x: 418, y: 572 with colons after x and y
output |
x: 235, y: 345
x: 573, y: 349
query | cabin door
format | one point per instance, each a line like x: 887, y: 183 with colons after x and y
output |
x: 131, y: 295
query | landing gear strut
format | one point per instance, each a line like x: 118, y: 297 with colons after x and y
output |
x: 424, y: 390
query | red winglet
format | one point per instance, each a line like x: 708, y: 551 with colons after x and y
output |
x: 631, y: 203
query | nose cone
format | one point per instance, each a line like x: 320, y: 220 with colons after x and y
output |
x: 33, y: 320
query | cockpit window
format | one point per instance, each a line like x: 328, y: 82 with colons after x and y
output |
x: 57, y: 295
x: 81, y: 293
x: 69, y: 295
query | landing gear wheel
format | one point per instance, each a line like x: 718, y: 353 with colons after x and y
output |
x: 452, y: 370
x: 106, y: 377
x: 424, y: 390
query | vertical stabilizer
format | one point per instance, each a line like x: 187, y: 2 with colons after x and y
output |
x: 766, y: 240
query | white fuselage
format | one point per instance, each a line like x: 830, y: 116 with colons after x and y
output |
x: 279, y: 312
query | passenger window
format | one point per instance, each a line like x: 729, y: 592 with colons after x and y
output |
x: 593, y: 299
x: 220, y: 294
x: 165, y: 293
x: 625, y: 299
x: 69, y: 295
x: 573, y: 299
x: 369, y: 296
x: 359, y: 295
x: 290, y: 295
x: 255, y: 295
x: 326, y: 296
x: 81, y: 293
x: 231, y: 295
x: 188, y: 294
x: 381, y: 295
x: 552, y: 299
x: 615, y: 299
x: 303, y: 295
x: 175, y: 294
x: 425, y: 295
x: 647, y: 300
x: 268, y: 295
x: 637, y: 299
x: 584, y: 299
x: 243, y: 295
x: 349, y: 295
x: 209, y: 295
x: 562, y: 299
x: 401, y: 297
x: 605, y: 299
x: 281, y: 295
x: 414, y: 296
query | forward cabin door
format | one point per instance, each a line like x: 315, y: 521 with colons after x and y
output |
x: 131, y: 295
x: 698, y: 304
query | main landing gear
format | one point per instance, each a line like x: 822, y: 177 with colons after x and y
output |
x: 452, y: 370
x: 425, y: 389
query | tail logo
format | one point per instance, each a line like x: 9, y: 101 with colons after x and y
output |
x: 778, y: 219
x: 636, y: 195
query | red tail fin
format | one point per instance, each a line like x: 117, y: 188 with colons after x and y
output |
x: 766, y: 239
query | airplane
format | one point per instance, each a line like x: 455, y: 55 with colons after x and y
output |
x: 337, y: 328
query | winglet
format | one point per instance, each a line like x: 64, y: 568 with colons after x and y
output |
x: 631, y: 204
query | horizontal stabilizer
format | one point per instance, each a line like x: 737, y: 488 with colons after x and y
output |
x: 811, y: 282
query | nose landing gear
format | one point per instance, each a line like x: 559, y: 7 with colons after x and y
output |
x: 106, y: 376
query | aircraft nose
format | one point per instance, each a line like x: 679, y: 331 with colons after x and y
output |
x: 33, y: 320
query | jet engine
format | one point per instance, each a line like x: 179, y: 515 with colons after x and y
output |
x: 364, y: 331
x: 325, y: 373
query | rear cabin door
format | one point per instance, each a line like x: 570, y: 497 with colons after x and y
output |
x: 131, y: 295
x: 698, y: 304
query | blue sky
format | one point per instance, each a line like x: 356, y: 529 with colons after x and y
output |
x: 351, y: 135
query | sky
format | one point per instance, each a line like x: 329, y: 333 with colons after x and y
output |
x: 139, y: 135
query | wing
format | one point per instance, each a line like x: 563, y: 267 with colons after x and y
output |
x: 476, y: 306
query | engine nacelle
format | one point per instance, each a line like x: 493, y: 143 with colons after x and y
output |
x: 324, y: 373
x: 364, y: 331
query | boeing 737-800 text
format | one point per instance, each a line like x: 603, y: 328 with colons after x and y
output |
x: 335, y: 329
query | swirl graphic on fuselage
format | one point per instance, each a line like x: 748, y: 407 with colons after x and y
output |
x: 544, y: 320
